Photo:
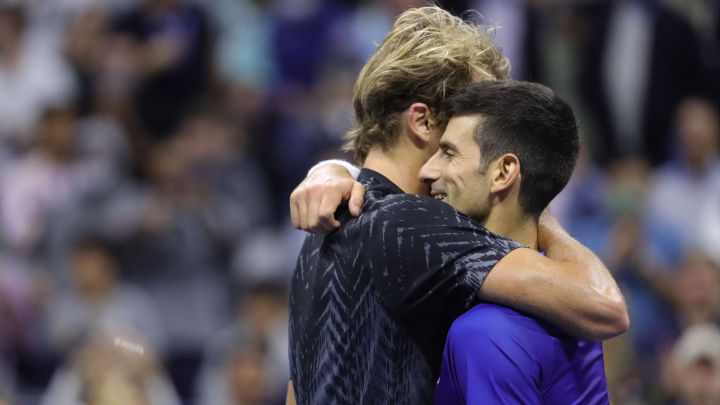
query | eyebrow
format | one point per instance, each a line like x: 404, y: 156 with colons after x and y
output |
x: 448, y: 145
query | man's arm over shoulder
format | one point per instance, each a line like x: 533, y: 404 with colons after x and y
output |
x: 486, y: 361
x: 574, y: 291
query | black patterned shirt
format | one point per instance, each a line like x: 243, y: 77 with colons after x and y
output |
x: 371, y: 303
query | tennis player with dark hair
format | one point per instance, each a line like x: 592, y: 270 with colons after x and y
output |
x: 372, y: 302
x: 508, y: 150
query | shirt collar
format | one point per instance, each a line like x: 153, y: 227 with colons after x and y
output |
x: 371, y: 176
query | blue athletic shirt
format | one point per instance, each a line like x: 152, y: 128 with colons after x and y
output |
x: 496, y: 355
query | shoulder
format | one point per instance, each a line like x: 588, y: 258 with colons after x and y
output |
x: 496, y: 323
x: 429, y: 220
x: 488, y: 344
x: 422, y: 213
x: 504, y: 344
x: 410, y: 203
x: 483, y: 319
x: 408, y: 212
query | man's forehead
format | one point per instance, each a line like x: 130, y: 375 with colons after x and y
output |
x: 461, y: 128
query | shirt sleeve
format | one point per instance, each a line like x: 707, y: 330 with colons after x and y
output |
x: 485, y: 363
x: 427, y: 257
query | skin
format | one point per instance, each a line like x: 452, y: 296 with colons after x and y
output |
x: 454, y: 171
x: 486, y: 191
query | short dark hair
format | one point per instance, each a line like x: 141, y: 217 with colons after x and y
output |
x: 530, y: 121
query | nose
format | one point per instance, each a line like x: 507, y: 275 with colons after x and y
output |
x: 429, y: 172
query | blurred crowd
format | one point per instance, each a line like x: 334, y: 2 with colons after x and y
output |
x: 148, y: 149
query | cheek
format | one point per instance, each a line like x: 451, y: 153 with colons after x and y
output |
x: 471, y: 181
x: 458, y: 187
x: 477, y: 191
x: 458, y: 174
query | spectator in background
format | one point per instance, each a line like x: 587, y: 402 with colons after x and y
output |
x: 584, y: 206
x: 174, y: 250
x: 691, y: 294
x: 43, y: 181
x: 99, y: 301
x: 697, y: 291
x: 312, y: 125
x: 645, y: 258
x: 704, y: 16
x: 111, y: 367
x: 106, y: 65
x: 301, y: 39
x: 709, y: 232
x: 248, y: 380
x: 639, y: 60
x: 19, y: 309
x: 106, y: 208
x: 367, y: 25
x: 247, y: 360
x: 680, y: 188
x: 243, y: 54
x: 205, y: 196
x: 214, y: 148
x: 172, y: 41
x: 624, y: 64
x: 84, y: 45
x: 241, y: 378
x: 52, y: 18
x: 511, y: 17
x: 631, y: 253
x: 245, y: 67
x: 693, y: 372
x: 256, y: 259
x: 33, y: 75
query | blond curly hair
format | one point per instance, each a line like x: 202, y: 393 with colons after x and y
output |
x: 428, y: 55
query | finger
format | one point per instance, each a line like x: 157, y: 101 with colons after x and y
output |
x: 302, y: 208
x: 294, y: 212
x: 325, y: 221
x: 326, y: 211
x: 313, y: 206
x: 357, y: 199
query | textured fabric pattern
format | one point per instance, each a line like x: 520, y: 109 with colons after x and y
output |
x: 371, y: 304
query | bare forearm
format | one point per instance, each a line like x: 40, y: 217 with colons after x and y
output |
x: 596, y: 294
x: 585, y: 309
x: 569, y: 287
x: 560, y: 246
x: 555, y: 291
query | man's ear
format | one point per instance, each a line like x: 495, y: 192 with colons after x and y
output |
x: 420, y: 123
x: 506, y: 173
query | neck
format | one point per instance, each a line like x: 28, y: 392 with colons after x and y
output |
x: 518, y: 227
x: 401, y: 166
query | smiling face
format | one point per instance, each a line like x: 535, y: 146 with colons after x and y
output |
x: 456, y: 171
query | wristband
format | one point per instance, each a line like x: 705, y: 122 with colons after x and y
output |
x: 354, y: 171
